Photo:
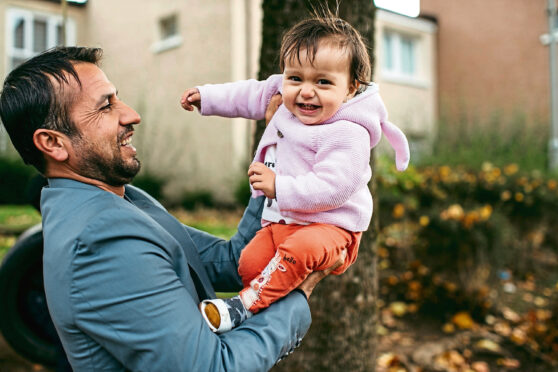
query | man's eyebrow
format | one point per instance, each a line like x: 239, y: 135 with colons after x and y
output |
x: 106, y: 97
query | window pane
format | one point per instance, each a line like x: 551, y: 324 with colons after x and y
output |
x: 59, y: 35
x: 168, y: 26
x: 407, y: 56
x: 39, y: 35
x: 388, y: 51
x: 19, y: 34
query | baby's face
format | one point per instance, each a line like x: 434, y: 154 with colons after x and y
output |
x: 313, y: 92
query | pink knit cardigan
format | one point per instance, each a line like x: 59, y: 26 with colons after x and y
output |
x: 322, y: 171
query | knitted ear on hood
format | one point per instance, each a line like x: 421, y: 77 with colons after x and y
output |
x: 398, y: 141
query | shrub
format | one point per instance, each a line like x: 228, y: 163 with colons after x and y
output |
x: 197, y: 199
x: 497, y: 140
x: 15, y: 176
x: 467, y: 224
x: 151, y: 184
x: 242, y: 193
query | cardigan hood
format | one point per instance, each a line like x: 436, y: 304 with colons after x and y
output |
x: 368, y: 110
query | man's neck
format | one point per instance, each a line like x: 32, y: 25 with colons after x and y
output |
x: 117, y: 190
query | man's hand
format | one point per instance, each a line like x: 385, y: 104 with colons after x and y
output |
x: 272, y: 107
x: 191, y: 98
x: 262, y: 178
x: 308, y: 285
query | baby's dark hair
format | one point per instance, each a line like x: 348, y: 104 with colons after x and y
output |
x: 307, y: 34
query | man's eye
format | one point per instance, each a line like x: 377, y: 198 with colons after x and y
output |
x: 106, y: 107
x: 324, y: 82
x: 294, y: 78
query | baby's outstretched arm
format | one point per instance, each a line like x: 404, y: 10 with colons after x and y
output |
x: 262, y: 178
x: 190, y: 98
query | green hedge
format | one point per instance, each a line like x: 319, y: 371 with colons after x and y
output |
x: 15, y: 178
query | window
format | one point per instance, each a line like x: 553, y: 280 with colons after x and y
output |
x: 28, y: 33
x: 169, y: 36
x: 399, y: 55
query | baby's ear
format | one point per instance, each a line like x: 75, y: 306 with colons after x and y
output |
x: 353, y: 88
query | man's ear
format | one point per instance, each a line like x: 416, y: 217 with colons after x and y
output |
x: 52, y: 144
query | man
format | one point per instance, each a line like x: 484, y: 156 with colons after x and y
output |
x: 123, y: 278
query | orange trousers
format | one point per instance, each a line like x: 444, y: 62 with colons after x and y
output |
x: 280, y: 257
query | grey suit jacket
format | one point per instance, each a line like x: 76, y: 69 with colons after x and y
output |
x: 123, y: 279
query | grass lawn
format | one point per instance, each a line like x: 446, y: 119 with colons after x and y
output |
x: 14, y: 219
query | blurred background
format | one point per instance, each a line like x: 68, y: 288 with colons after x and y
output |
x: 460, y: 270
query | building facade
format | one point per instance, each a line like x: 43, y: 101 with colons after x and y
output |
x: 491, y: 59
x: 154, y: 50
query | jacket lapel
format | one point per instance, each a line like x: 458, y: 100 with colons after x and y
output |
x: 201, y: 281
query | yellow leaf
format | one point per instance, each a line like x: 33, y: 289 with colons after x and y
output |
x: 489, y: 345
x: 463, y: 320
x: 398, y: 308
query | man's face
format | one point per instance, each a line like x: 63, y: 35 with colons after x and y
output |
x: 104, y: 150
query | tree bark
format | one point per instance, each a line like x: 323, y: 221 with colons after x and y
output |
x: 344, y: 308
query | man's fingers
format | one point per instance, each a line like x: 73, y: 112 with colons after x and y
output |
x: 339, y: 262
x: 308, y: 285
x: 272, y: 107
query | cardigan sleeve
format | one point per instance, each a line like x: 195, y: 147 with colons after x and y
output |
x: 246, y: 99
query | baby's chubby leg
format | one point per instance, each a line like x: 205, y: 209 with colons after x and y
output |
x: 302, y: 250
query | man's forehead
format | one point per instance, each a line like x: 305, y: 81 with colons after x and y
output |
x: 93, y: 80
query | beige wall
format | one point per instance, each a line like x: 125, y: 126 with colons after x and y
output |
x: 195, y: 152
x: 411, y: 103
x: 490, y: 57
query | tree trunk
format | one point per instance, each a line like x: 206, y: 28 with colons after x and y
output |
x: 344, y: 308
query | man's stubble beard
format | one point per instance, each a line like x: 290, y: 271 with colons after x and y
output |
x: 112, y: 171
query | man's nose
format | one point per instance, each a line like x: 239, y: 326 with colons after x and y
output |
x: 129, y: 115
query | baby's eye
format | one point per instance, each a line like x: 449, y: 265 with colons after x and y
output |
x: 294, y: 78
x: 324, y: 82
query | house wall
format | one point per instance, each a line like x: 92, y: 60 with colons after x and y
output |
x: 411, y: 102
x: 216, y: 46
x: 490, y: 58
x: 217, y: 41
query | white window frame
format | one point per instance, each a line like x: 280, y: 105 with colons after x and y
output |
x: 13, y: 15
x: 414, y: 28
x: 167, y: 42
x: 396, y: 73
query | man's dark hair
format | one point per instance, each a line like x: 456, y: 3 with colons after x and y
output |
x: 33, y: 98
x: 307, y: 34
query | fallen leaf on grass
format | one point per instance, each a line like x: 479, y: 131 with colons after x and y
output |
x: 488, y: 345
x: 480, y: 367
x: 398, y: 308
x: 463, y: 320
x: 509, y: 363
x: 450, y: 360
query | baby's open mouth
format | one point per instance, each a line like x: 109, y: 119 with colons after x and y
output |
x: 307, y: 106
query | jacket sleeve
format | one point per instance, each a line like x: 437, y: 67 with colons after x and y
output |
x: 246, y: 99
x: 220, y: 256
x: 341, y: 168
x: 128, y: 298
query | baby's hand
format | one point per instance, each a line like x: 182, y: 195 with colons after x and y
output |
x: 262, y: 178
x: 190, y: 98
